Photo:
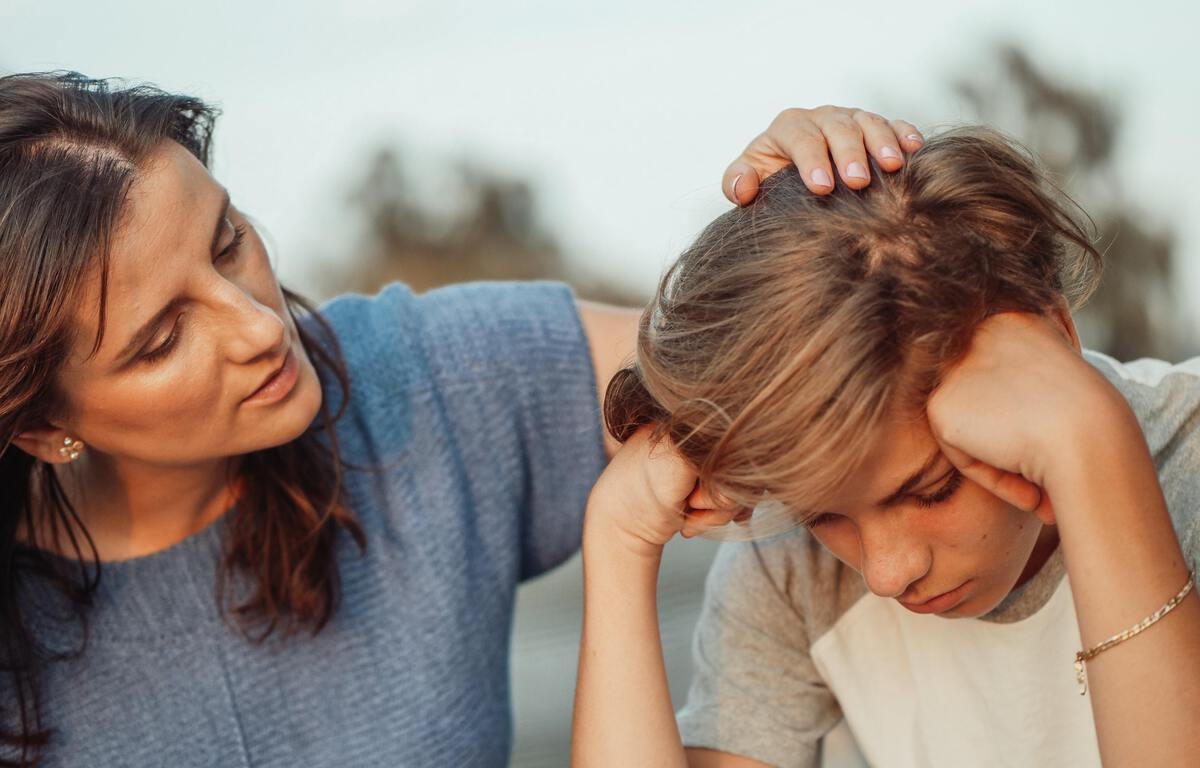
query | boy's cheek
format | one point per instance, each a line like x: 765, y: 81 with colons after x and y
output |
x: 842, y: 544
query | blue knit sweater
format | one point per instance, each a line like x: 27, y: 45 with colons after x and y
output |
x: 476, y: 408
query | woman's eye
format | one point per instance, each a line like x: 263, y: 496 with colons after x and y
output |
x: 941, y: 494
x: 239, y: 234
x: 162, y: 350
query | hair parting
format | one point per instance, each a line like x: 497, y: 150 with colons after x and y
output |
x: 793, y: 327
x: 70, y: 149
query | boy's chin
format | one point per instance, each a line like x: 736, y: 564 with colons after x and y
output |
x: 974, y: 607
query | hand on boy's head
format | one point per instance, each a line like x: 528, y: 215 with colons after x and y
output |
x: 1014, y: 406
x: 808, y: 137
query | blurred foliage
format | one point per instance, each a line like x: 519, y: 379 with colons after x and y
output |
x: 491, y: 229
x: 1137, y: 311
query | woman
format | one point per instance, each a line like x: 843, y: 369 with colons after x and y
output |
x: 361, y: 488
x: 898, y: 368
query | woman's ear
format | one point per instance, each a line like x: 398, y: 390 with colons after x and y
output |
x: 52, y: 445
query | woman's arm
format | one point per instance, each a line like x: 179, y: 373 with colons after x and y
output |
x: 612, y: 336
x: 1024, y: 412
x: 623, y: 713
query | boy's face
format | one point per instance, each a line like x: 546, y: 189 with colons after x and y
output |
x: 920, y: 532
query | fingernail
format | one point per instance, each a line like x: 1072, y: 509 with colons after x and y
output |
x: 856, y: 170
x: 820, y: 178
x: 915, y: 137
x: 733, y: 187
x: 889, y: 152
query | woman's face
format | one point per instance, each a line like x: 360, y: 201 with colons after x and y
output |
x: 920, y: 532
x: 196, y: 324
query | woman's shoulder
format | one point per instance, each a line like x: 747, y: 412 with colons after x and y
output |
x: 1164, y: 396
x: 1145, y: 371
x: 466, y: 330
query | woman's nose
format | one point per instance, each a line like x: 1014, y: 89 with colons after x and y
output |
x: 255, y: 330
x: 892, y: 560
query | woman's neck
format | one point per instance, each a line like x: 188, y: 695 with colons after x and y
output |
x: 132, y: 509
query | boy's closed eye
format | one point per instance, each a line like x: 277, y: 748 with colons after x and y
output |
x: 942, y: 489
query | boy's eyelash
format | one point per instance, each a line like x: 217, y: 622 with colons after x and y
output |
x: 943, y: 493
x: 937, y: 497
x: 816, y: 520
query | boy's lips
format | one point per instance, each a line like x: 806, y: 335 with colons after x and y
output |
x: 938, y: 603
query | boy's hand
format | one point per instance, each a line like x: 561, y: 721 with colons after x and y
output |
x: 648, y: 494
x: 1018, y: 406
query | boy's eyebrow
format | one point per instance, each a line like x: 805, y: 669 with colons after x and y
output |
x: 914, y: 480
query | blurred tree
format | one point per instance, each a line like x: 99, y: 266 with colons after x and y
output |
x: 491, y: 230
x: 1136, y: 312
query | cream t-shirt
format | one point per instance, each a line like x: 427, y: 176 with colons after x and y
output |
x: 790, y: 641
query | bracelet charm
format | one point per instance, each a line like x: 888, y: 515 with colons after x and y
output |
x: 1091, y: 653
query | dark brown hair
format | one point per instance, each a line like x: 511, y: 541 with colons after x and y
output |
x: 70, y: 148
x: 779, y: 341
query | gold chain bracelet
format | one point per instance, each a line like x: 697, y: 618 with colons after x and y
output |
x: 1082, y: 656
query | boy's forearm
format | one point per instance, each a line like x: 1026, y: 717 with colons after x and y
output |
x: 1124, y: 562
x: 623, y: 713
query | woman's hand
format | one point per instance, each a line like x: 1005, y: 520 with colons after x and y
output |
x: 1019, y: 405
x: 807, y: 137
x: 648, y: 494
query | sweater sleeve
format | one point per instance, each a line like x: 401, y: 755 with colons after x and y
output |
x: 480, y: 401
x: 514, y: 371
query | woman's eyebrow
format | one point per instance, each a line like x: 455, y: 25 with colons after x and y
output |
x: 147, y: 330
x: 914, y: 480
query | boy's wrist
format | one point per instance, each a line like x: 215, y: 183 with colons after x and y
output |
x: 604, y: 537
x: 1102, y: 446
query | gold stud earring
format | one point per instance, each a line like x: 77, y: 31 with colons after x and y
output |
x: 71, y: 448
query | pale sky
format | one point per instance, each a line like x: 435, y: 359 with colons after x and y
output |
x: 624, y: 115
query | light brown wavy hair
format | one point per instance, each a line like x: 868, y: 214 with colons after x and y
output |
x: 70, y: 149
x: 792, y: 328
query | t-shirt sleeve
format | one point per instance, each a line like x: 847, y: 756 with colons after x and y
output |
x: 1175, y: 443
x: 755, y: 690
x: 514, y: 374
x: 1166, y: 400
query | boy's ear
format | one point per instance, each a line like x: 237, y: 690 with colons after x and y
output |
x: 52, y: 445
x: 1061, y: 315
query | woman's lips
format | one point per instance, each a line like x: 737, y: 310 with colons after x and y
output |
x: 939, y: 603
x: 279, y: 384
